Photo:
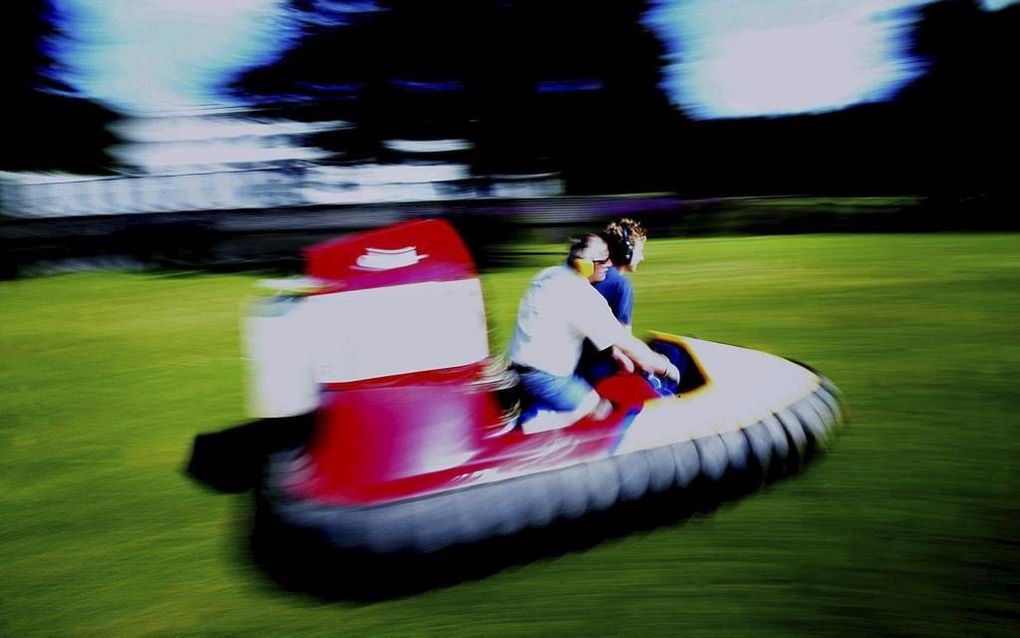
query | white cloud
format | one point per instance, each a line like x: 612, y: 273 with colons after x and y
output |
x: 144, y: 56
x: 736, y: 59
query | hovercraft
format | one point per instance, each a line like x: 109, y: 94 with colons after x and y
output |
x: 385, y: 342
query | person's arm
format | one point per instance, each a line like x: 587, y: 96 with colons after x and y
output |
x: 596, y: 321
x: 625, y: 305
x: 646, y: 357
x: 623, y: 360
x: 619, y: 294
x: 624, y: 312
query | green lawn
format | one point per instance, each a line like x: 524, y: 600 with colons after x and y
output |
x: 909, y: 525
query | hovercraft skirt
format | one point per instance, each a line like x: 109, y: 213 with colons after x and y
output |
x: 467, y: 515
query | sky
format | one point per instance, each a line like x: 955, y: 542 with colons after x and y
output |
x: 727, y: 58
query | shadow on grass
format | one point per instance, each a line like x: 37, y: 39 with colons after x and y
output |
x: 231, y: 461
x: 295, y: 560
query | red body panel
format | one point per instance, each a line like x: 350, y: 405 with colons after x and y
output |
x: 378, y: 444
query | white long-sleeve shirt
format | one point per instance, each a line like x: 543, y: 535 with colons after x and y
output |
x: 558, y: 311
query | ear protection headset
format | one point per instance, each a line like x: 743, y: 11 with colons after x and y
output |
x: 621, y: 248
x: 585, y: 267
x: 626, y: 247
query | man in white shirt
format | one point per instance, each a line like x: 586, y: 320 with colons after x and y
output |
x: 558, y: 311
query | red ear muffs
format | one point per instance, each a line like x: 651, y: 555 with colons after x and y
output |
x: 584, y: 266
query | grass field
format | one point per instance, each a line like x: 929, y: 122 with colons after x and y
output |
x: 909, y: 525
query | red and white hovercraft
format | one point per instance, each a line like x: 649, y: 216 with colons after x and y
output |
x: 386, y: 341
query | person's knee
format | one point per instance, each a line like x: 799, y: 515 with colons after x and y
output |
x: 602, y: 409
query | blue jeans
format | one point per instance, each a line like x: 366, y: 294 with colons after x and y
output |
x: 549, y: 392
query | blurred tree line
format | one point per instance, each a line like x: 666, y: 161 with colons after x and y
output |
x: 47, y: 125
x: 573, y: 87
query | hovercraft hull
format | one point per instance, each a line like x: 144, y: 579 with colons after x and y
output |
x: 755, y: 411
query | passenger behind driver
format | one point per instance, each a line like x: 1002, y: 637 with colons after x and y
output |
x: 626, y: 241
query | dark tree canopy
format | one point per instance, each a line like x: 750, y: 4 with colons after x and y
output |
x: 46, y: 126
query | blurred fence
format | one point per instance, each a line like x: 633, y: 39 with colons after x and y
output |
x: 76, y: 195
x: 273, y: 236
x: 49, y: 195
